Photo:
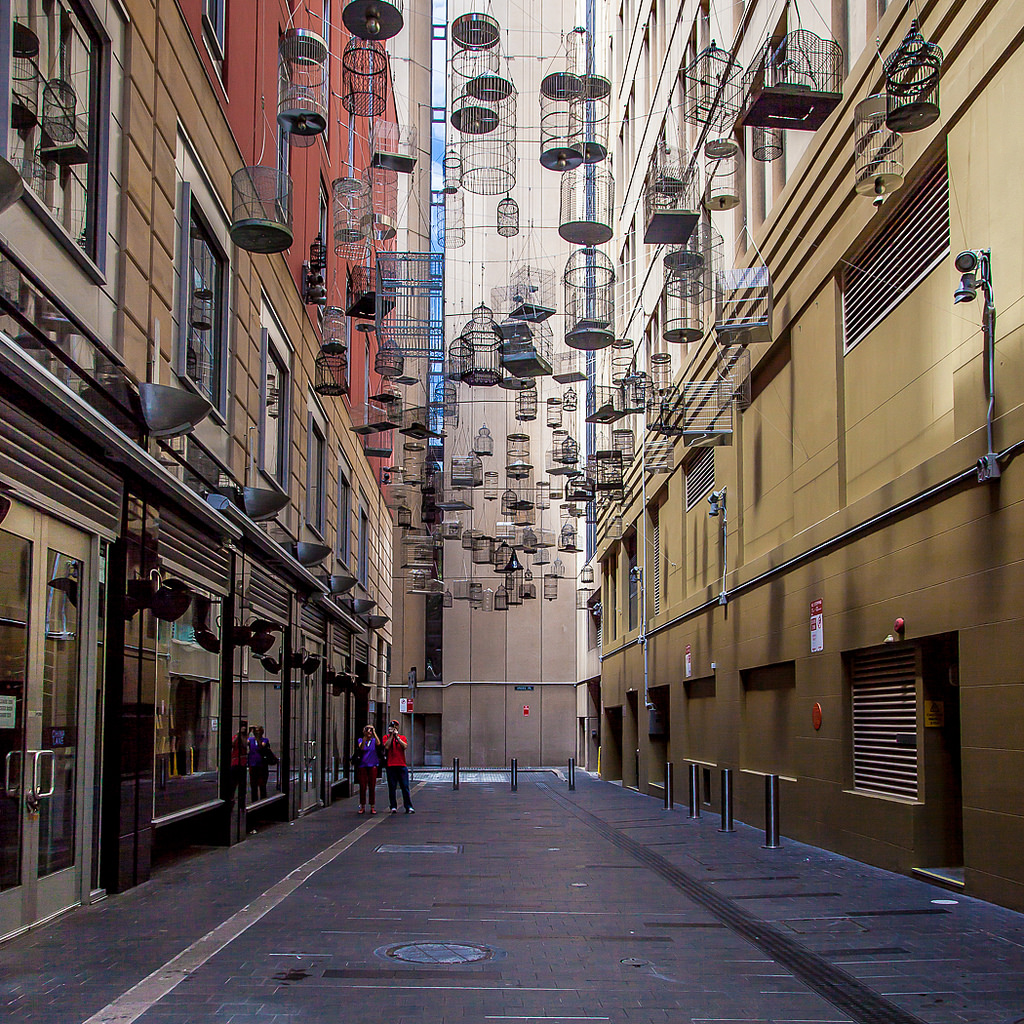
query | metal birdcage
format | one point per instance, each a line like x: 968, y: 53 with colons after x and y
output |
x: 454, y: 231
x: 604, y: 404
x: 722, y: 176
x: 743, y: 305
x: 707, y: 412
x: 666, y: 413
x: 475, y: 31
x: 568, y: 367
x: 509, y: 498
x: 587, y: 207
x: 526, y: 348
x: 446, y: 401
x: 364, y: 77
x: 409, y: 287
x: 467, y: 471
x: 452, y: 168
x: 624, y: 442
x: 734, y: 367
x: 661, y: 371
x: 713, y: 91
x: 302, y: 58
x: 451, y: 529
x: 589, y: 114
x: 685, y: 320
x: 59, y: 120
x: 542, y: 495
x: 794, y: 83
x: 26, y: 83
x: 526, y: 405
x: 508, y: 217
x: 604, y: 469
x: 672, y: 197
x: 483, y: 443
x: 458, y: 360
x: 517, y: 456
x: 373, y: 19
x: 550, y: 589
x: 553, y: 418
x: 370, y: 418
x: 569, y: 400
x: 261, y: 209
x: 383, y: 188
x: 491, y: 485
x: 567, y: 538
x: 587, y: 574
x: 393, y: 146
x: 388, y: 361
x: 695, y: 264
x: 557, y: 149
x: 912, y: 73
x: 481, y: 338
x: 659, y: 457
x: 488, y: 157
x: 589, y: 281
x: 635, y: 389
x: 471, y: 63
x: 362, y: 300
x: 351, y: 217
x: 767, y: 144
x: 531, y: 294
x: 877, y: 151
x: 331, y: 373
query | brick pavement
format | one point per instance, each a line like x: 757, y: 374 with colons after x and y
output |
x: 596, y: 905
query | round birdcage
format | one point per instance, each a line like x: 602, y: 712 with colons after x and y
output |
x: 491, y: 480
x: 373, y: 19
x: 469, y: 63
x: 481, y: 338
x: 452, y: 167
x: 672, y: 197
x: 684, y: 310
x: 661, y: 371
x: 302, y: 82
x: 624, y: 442
x: 554, y: 412
x: 722, y: 175
x: 912, y: 75
x: 334, y: 330
x: 25, y: 84
x: 489, y: 158
x: 693, y: 264
x: 529, y: 588
x: 383, y: 189
x: 526, y: 404
x: 508, y: 217
x: 351, y: 216
x: 517, y: 456
x: 388, y: 361
x: 446, y: 401
x: 586, y: 211
x: 454, y: 232
x: 261, y: 209
x: 331, y: 373
x: 364, y: 77
x: 877, y: 151
x: 569, y: 400
x: 483, y: 443
x: 557, y: 149
x: 713, y: 89
x: 589, y: 282
x: 550, y: 588
x: 767, y: 144
x: 587, y: 574
x: 59, y: 110
x: 589, y: 117
x: 475, y: 31
x: 458, y: 360
x: 509, y: 498
x: 567, y: 538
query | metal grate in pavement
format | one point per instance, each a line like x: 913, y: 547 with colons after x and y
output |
x: 419, y: 848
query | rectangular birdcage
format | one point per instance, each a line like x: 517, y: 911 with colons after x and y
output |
x: 410, y: 297
x: 416, y: 422
x: 734, y: 366
x: 604, y: 469
x: 568, y: 366
x: 526, y: 348
x: 707, y: 412
x: 531, y: 294
x: 659, y: 456
x: 467, y: 471
x: 743, y: 305
x: 604, y: 404
x: 362, y: 300
x: 368, y: 418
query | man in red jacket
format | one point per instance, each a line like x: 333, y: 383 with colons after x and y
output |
x: 397, y: 769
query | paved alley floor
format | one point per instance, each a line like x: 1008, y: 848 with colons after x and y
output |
x: 539, y: 905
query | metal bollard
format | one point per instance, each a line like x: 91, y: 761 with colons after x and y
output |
x: 669, y: 785
x: 694, y: 791
x: 727, y: 825
x: 771, y: 812
x: 455, y: 773
x: 572, y: 774
x: 513, y: 775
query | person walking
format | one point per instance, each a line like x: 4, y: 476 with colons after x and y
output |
x: 259, y: 772
x: 397, y: 769
x: 371, y: 753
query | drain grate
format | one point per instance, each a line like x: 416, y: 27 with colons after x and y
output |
x: 450, y: 953
x: 419, y: 848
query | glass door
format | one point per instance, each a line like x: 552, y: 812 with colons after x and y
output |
x: 44, y: 603
x: 311, y: 691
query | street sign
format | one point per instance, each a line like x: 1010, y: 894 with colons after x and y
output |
x: 689, y: 662
x: 817, y: 627
x: 405, y: 705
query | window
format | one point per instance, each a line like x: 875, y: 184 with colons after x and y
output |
x: 214, y: 18
x: 275, y: 405
x: 700, y: 477
x: 363, y: 570
x: 316, y: 471
x: 610, y: 604
x: 344, y: 510
x: 56, y: 117
x: 632, y: 584
x: 204, y: 302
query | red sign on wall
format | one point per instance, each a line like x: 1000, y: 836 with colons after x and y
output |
x: 526, y: 710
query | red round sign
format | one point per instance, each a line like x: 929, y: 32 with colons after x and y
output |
x: 816, y: 716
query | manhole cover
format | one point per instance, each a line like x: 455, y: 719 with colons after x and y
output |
x: 439, y: 952
x: 420, y: 848
x: 633, y: 961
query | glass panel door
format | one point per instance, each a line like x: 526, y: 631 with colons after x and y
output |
x: 312, y: 701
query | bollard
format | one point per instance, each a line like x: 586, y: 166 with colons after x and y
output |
x: 513, y: 775
x: 455, y: 773
x: 669, y: 795
x: 572, y: 774
x: 694, y: 791
x: 771, y: 812
x: 727, y: 825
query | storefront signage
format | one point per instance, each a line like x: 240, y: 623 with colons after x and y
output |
x: 524, y: 687
x: 689, y: 662
x: 817, y: 627
x: 8, y: 711
x: 405, y: 705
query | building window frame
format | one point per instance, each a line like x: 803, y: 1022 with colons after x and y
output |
x: 215, y: 26
x: 275, y: 350
x: 316, y: 474
x: 363, y: 563
x: 344, y: 511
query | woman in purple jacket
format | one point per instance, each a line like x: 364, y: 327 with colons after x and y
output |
x: 370, y: 754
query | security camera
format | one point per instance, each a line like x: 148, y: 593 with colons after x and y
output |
x: 967, y: 263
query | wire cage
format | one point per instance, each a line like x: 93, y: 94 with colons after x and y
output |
x: 659, y: 457
x: 489, y: 158
x: 526, y: 405
x: 550, y: 588
x: 370, y: 418
x: 382, y: 184
x: 586, y: 211
x: 743, y: 305
x: 568, y: 367
x: 912, y: 74
x: 467, y: 63
x: 734, y: 367
x: 452, y: 171
x: 526, y: 349
x: 409, y: 288
x: 589, y: 282
x: 569, y: 400
x: 475, y: 31
x: 350, y: 216
x: 553, y: 418
x: 589, y: 118
x: 467, y: 471
x: 261, y: 209
x: 446, y: 402
x: 517, y: 456
x: 587, y: 574
x: 666, y: 412
x: 713, y: 91
x: 684, y: 309
x: 458, y: 360
x: 481, y: 338
x: 393, y: 146
x: 707, y: 412
x: 26, y: 82
x: 877, y: 151
x: 558, y: 150
x: 33, y: 173
x: 508, y: 217
x: 331, y: 373
x: 483, y: 443
x: 567, y: 538
x: 604, y: 404
x: 60, y: 103
x: 491, y: 485
x: 361, y: 300
x: 661, y: 371
x: 604, y: 469
x: 302, y: 98
x: 722, y: 176
x: 767, y: 144
x: 454, y: 231
x: 373, y: 19
x: 635, y: 389
x: 794, y: 83
x: 451, y: 529
x: 531, y: 293
x: 624, y: 442
x: 672, y: 197
x: 388, y: 361
x: 364, y: 77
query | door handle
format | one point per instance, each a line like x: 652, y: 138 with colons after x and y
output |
x: 12, y: 788
x: 37, y: 775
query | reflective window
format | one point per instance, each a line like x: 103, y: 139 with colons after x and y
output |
x: 204, y: 333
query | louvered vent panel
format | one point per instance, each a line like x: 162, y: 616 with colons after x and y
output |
x: 186, y: 550
x: 913, y: 242
x: 269, y: 597
x: 360, y: 650
x: 313, y: 618
x: 885, y: 721
x: 700, y: 477
x: 657, y: 563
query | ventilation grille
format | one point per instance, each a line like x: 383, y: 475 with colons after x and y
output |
x: 656, y: 530
x: 187, y: 551
x: 884, y: 685
x: 700, y: 477
x: 913, y: 242
x: 268, y: 595
x: 313, y: 619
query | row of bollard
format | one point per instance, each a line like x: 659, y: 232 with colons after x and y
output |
x: 513, y: 774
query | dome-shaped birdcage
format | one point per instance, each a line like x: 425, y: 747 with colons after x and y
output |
x: 373, y: 19
x: 526, y: 405
x: 351, y: 217
x: 722, y: 191
x: 383, y: 188
x: 567, y: 538
x: 388, y: 361
x: 672, y: 197
x: 558, y: 151
x: 589, y: 118
x: 877, y: 151
x: 331, y: 373
x: 912, y: 73
x: 453, y: 233
x: 302, y: 82
x: 261, y: 209
x: 589, y: 282
x: 393, y: 146
x: 508, y: 217
x: 569, y: 400
x: 483, y: 443
x: 364, y: 77
x: 661, y: 371
x: 767, y: 144
x: 587, y: 574
x: 713, y: 91
x: 795, y: 83
x: 587, y: 207
x: 481, y: 338
x: 452, y: 168
x: 489, y: 157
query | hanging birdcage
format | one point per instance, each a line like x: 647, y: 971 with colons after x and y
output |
x: 767, y: 144
x: 550, y: 588
x: 452, y: 168
x: 362, y: 301
x: 529, y: 590
x: 351, y: 217
x: 557, y: 91
x: 261, y: 209
x: 722, y: 175
x: 508, y: 217
x: 26, y: 82
x: 569, y: 400
x: 526, y: 405
x: 469, y: 537
x: 369, y: 418
x: 672, y: 197
x: 386, y: 392
x: 743, y: 305
x: 393, y: 146
x: 388, y: 361
x: 624, y: 442
x: 554, y: 412
x: 364, y: 78
x: 589, y: 118
x: 468, y: 63
x: 453, y: 235
x: 383, y: 189
x: 451, y: 529
x: 604, y: 404
x: 713, y: 95
x: 665, y: 413
x: 488, y: 156
x: 583, y: 595
x: 457, y: 362
x: 526, y: 348
x: 517, y: 456
x: 794, y: 83
x: 734, y: 367
x: 483, y: 443
x: 331, y: 373
x: 467, y: 471
x: 530, y: 294
x: 482, y: 548
x: 409, y: 284
x: 373, y: 19
x: 659, y: 457
x: 707, y: 412
x: 446, y: 402
x: 604, y: 469
x: 912, y: 73
x: 586, y: 211
x: 302, y: 82
x: 59, y: 121
x: 568, y: 367
x: 501, y: 599
x: 508, y: 502
x: 475, y: 31
x: 684, y: 309
x: 589, y: 281
x: 557, y: 570
x: 448, y: 601
x: 491, y: 485
x: 567, y: 538
x: 877, y: 151
x: 579, y: 489
x: 661, y: 371
x: 542, y: 495
x: 481, y: 338
x: 587, y: 574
